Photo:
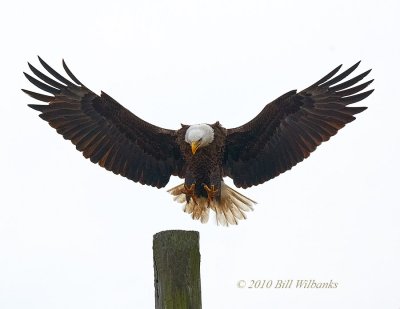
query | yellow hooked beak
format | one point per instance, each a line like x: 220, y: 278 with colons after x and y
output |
x: 195, y: 146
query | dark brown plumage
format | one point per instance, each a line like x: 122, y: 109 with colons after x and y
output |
x: 288, y: 129
x: 285, y: 132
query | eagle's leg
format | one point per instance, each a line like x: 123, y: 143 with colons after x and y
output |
x: 210, y: 193
x: 189, y: 192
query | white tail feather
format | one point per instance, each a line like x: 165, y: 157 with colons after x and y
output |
x: 231, y: 207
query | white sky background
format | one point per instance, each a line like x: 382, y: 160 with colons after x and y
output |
x: 73, y: 235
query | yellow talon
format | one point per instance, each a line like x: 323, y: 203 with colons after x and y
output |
x: 210, y: 193
x: 189, y: 192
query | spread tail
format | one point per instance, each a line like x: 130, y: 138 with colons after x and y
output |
x: 229, y: 209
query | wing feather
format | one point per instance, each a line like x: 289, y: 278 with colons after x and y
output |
x: 288, y: 129
x: 104, y: 131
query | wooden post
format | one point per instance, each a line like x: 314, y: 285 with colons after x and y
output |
x: 177, y: 270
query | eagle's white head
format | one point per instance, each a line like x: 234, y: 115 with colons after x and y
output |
x: 199, y: 135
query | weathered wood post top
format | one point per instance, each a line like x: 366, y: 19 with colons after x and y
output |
x: 177, y: 270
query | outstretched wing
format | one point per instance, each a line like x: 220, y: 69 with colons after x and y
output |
x: 288, y: 129
x: 105, y: 131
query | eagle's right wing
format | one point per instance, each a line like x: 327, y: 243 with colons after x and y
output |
x: 105, y: 131
x: 288, y: 129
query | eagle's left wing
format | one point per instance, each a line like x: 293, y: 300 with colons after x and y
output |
x: 288, y: 129
x: 106, y: 132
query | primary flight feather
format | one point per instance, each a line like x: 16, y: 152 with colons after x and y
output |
x: 284, y: 133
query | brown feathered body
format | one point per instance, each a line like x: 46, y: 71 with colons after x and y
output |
x: 283, y: 134
x: 205, y: 166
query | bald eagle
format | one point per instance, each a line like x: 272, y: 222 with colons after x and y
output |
x: 284, y: 133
